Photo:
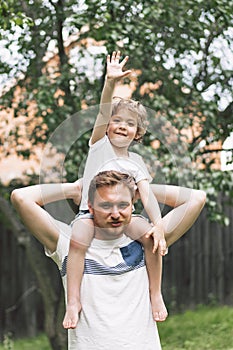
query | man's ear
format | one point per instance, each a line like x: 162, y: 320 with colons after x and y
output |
x: 90, y: 207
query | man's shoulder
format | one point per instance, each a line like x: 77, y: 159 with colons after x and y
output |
x: 63, y: 243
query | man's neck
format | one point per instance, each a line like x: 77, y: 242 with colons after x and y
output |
x: 105, y: 235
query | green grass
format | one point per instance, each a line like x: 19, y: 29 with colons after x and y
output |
x: 205, y: 328
x: 39, y: 343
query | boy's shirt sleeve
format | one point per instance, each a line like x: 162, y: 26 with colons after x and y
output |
x: 98, y: 143
x: 142, y: 173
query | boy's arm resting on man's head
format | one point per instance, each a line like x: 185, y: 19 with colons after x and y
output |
x: 28, y: 202
x: 114, y: 73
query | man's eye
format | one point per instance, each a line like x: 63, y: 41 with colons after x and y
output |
x: 123, y: 205
x: 105, y: 206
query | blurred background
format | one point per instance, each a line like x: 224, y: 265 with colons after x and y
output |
x: 52, y: 69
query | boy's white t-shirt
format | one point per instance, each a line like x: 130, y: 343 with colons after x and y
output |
x: 116, y: 310
x: 102, y: 157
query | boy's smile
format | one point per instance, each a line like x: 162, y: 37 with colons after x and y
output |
x: 122, y: 128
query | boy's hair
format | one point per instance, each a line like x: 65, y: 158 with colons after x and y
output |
x: 110, y: 178
x: 135, y: 107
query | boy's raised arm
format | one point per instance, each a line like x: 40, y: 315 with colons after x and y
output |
x: 114, y: 73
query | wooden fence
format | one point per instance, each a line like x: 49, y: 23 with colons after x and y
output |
x: 197, y: 270
x: 20, y: 304
x: 198, y: 267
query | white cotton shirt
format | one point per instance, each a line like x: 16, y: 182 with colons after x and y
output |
x: 116, y: 310
x: 102, y: 157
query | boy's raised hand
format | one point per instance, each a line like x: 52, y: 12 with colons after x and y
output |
x: 114, y: 66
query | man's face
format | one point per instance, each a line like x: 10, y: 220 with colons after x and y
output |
x: 112, y: 210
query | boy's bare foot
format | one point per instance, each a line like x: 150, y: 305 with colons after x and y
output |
x: 72, y: 316
x: 159, y: 309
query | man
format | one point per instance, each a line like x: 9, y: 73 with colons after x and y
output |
x: 116, y: 309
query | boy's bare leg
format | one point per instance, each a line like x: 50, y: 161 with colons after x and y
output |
x: 154, y: 270
x: 138, y: 227
x: 82, y: 235
x: 187, y: 205
x: 75, y: 268
x: 137, y: 230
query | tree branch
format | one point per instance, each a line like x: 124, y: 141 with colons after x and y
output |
x: 206, y: 151
x: 203, y: 72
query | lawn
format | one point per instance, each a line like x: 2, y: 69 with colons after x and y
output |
x: 39, y: 343
x: 205, y: 328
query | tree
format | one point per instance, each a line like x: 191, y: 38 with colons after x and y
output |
x: 181, y: 52
x: 183, y: 49
x: 9, y: 19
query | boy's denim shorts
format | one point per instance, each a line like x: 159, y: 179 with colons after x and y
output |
x: 82, y: 214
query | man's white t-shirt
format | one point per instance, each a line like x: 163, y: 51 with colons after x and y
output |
x: 116, y: 310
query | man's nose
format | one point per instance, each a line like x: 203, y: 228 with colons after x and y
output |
x: 115, y: 212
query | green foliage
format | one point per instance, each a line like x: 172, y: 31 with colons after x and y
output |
x: 182, y: 47
x: 9, y: 18
x: 8, y: 342
x: 223, y: 181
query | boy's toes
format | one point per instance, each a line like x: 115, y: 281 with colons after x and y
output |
x: 160, y: 316
x: 156, y: 316
x: 73, y: 325
x: 66, y: 324
x: 163, y: 316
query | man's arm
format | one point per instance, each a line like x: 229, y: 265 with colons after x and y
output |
x: 187, y: 204
x: 28, y: 202
x: 114, y: 73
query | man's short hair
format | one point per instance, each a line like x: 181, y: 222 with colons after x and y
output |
x: 110, y: 178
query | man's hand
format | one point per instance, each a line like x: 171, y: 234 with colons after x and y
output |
x: 77, y: 192
x: 114, y: 67
x: 159, y: 241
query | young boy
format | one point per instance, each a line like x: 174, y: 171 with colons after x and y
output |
x: 118, y: 124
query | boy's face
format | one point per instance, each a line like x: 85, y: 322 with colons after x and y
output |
x: 122, y: 128
x: 112, y: 210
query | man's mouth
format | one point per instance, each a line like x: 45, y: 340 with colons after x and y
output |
x: 116, y: 224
